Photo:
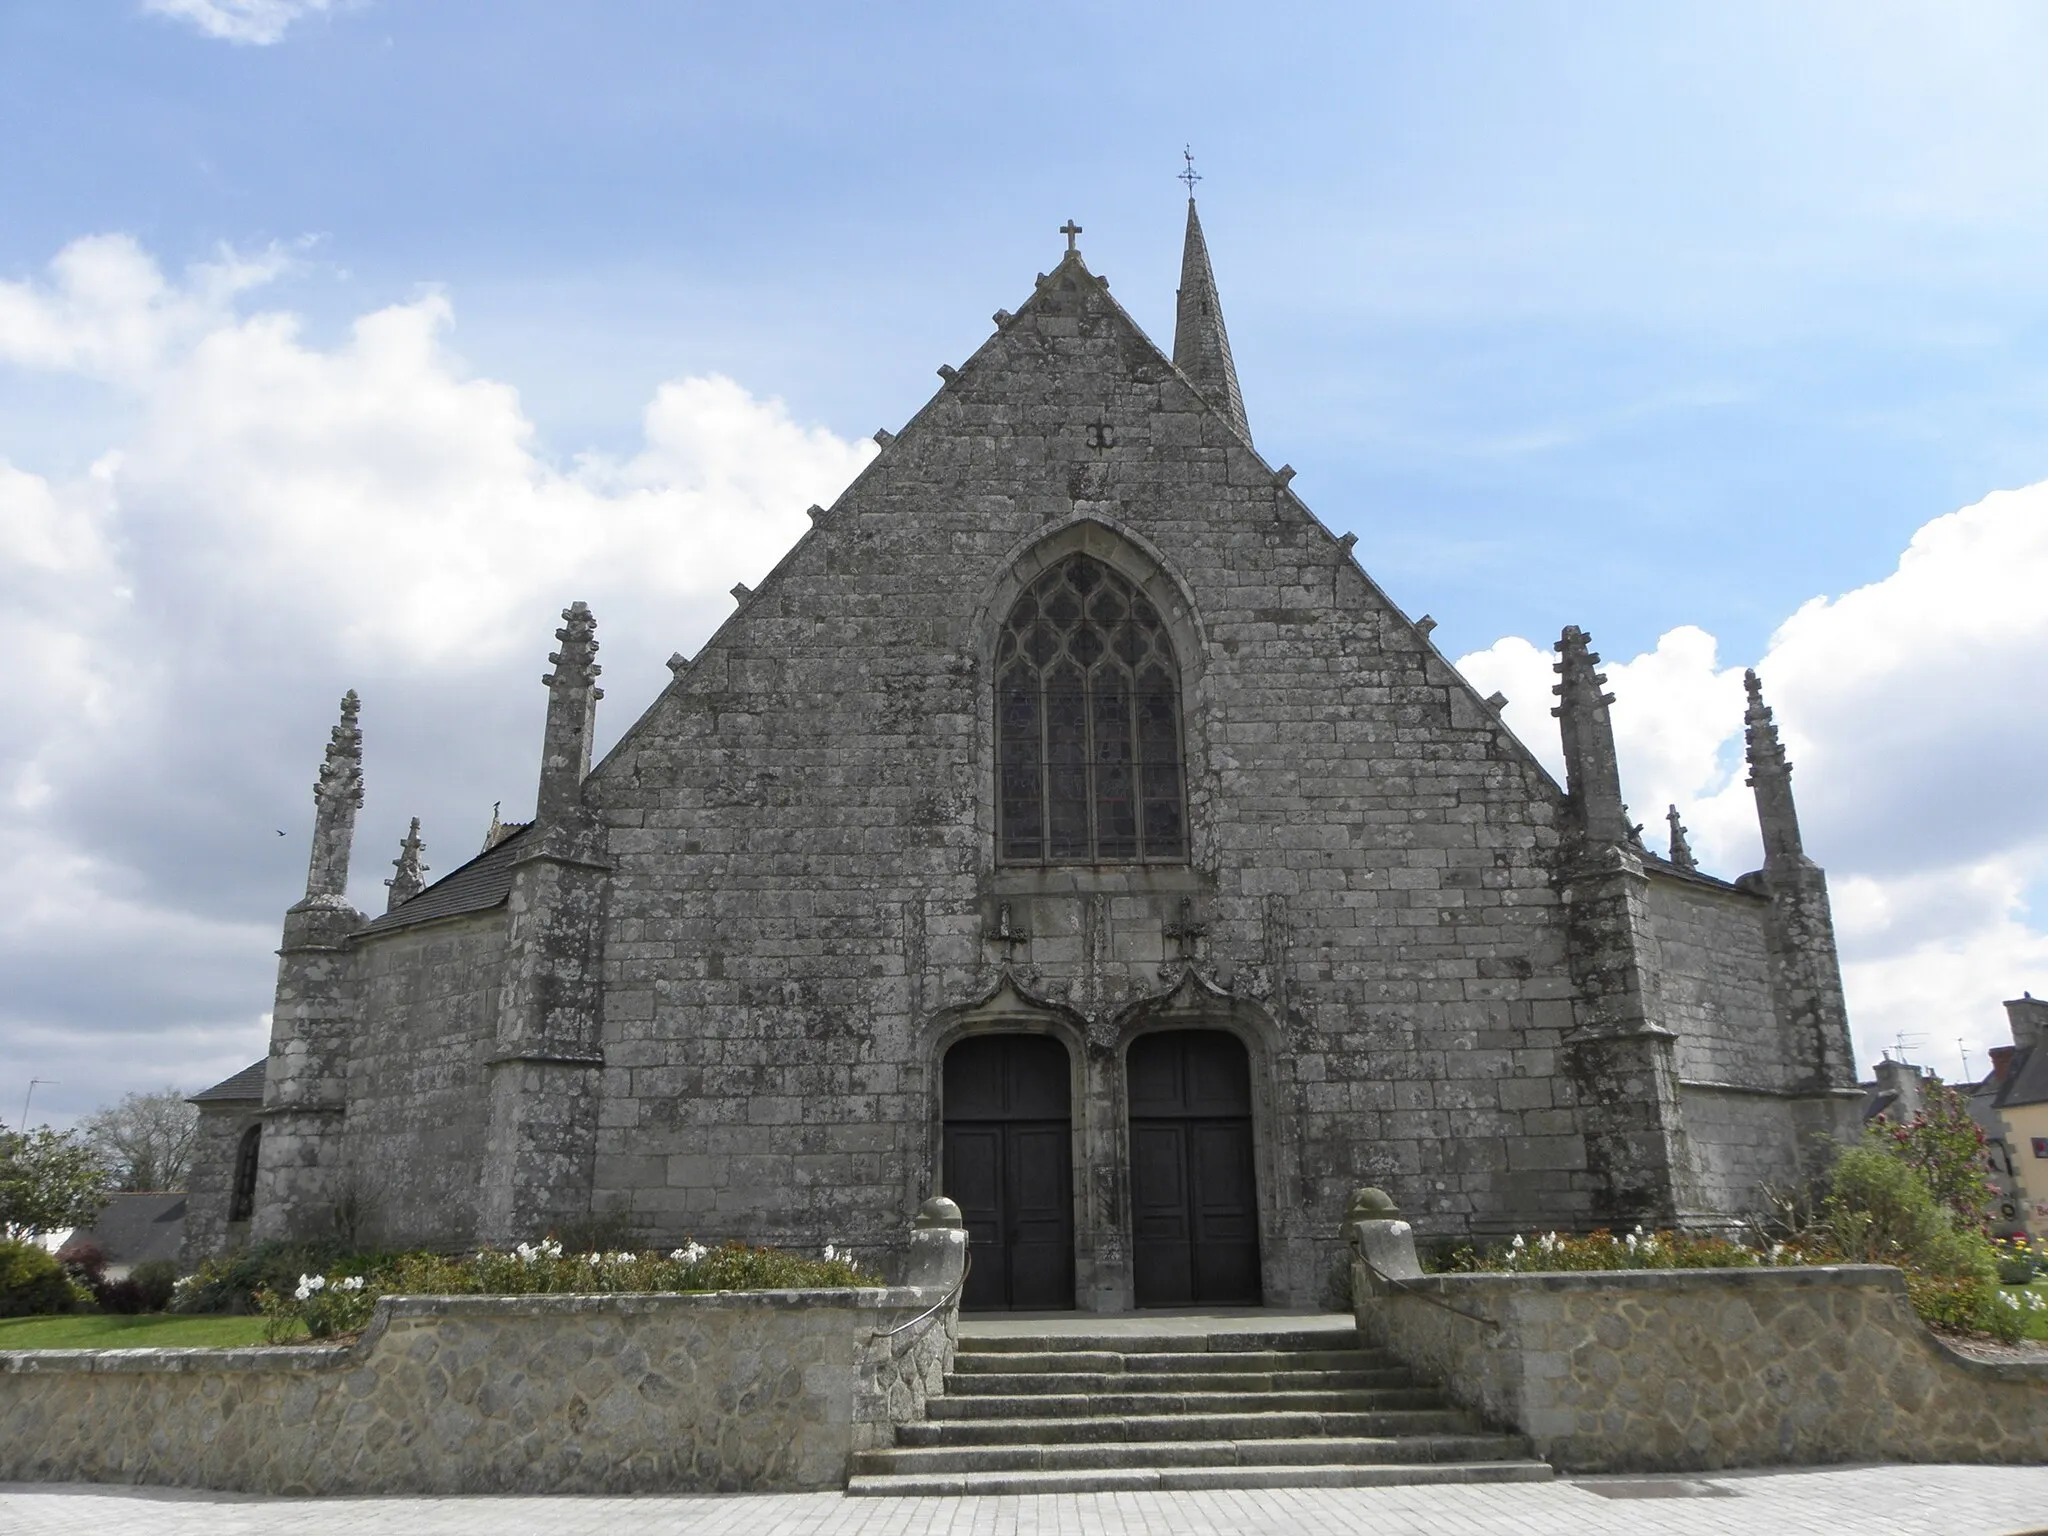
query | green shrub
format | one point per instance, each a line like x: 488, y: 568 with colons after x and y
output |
x: 231, y: 1282
x: 1880, y: 1209
x: 155, y: 1282
x: 32, y: 1282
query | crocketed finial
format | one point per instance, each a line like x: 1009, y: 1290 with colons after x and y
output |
x: 572, y: 715
x: 1592, y: 775
x: 337, y: 796
x: 411, y: 878
x: 1681, y: 850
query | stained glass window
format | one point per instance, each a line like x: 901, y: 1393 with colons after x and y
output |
x: 1088, y: 742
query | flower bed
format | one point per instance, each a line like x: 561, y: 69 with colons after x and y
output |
x: 1967, y: 1302
x: 340, y: 1303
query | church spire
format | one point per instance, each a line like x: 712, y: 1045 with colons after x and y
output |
x: 337, y: 796
x: 1770, y: 777
x: 1201, y: 346
x: 411, y: 878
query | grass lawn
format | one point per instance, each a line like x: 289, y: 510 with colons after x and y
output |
x: 2037, y: 1325
x: 147, y: 1331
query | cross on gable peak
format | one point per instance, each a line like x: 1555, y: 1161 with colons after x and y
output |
x: 1070, y: 229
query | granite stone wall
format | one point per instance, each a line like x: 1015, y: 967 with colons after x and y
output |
x: 416, y: 1102
x: 1715, y: 966
x: 1694, y: 1370
x: 729, y: 1392
x: 209, y: 1187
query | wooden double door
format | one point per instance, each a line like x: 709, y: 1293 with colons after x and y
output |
x: 1009, y: 1159
x: 1194, y: 1197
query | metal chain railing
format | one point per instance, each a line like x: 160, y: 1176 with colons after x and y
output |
x: 966, y: 1269
x: 1429, y: 1296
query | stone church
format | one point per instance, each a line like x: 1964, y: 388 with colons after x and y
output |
x: 1069, y: 823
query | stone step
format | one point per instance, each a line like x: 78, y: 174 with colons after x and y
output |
x: 1313, y: 1451
x: 1154, y: 1404
x: 1181, y: 1427
x: 974, y: 1363
x: 1159, y: 1343
x: 978, y: 1384
x: 1142, y: 1479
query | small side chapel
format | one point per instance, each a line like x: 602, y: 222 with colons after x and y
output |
x: 1068, y: 824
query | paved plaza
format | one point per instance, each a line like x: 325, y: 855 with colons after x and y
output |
x: 1911, y: 1501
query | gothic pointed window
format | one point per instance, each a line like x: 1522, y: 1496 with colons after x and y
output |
x: 1088, y: 738
x: 242, y: 1194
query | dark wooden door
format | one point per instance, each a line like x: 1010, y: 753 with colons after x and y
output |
x: 1194, y: 1201
x: 1009, y: 1166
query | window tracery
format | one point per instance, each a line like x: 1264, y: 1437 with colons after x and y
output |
x: 1088, y: 725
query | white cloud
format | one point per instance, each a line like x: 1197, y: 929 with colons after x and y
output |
x: 239, y: 21
x: 1911, y: 711
x: 281, y: 521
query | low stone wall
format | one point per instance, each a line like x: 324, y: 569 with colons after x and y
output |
x: 1693, y: 1370
x: 726, y: 1392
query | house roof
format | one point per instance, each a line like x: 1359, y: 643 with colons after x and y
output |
x: 2027, y: 1083
x: 136, y: 1228
x: 481, y: 884
x: 244, y: 1085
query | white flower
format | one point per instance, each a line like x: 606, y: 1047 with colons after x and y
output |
x: 312, y: 1282
x: 301, y: 1294
x: 595, y: 1258
x: 352, y: 1283
x: 689, y: 1253
x: 830, y: 1254
x: 1518, y: 1245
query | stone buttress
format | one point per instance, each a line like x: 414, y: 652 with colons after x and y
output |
x: 300, y: 1174
x: 1621, y: 1055
x: 1805, y: 970
x: 543, y: 1072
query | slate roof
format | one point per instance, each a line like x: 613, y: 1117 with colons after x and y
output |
x: 245, y: 1084
x: 481, y: 884
x: 1657, y: 864
x: 2028, y: 1081
x: 136, y: 1228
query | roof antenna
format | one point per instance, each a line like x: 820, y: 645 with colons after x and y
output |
x: 1190, y: 175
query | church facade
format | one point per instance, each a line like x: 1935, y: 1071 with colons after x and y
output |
x: 1068, y: 824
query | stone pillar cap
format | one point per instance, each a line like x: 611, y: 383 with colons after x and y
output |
x: 1369, y: 1204
x: 938, y: 1212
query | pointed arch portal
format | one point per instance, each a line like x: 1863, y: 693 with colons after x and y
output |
x: 1194, y: 1195
x: 1009, y: 1164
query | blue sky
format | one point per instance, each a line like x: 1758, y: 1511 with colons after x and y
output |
x: 1636, y: 317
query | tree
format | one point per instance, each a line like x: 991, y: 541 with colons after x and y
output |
x: 1946, y: 1148
x: 49, y: 1180
x: 145, y: 1141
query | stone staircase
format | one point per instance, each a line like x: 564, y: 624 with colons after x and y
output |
x: 1081, y: 1413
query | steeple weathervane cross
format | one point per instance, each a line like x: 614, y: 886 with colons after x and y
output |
x: 1070, y: 229
x: 1190, y: 175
